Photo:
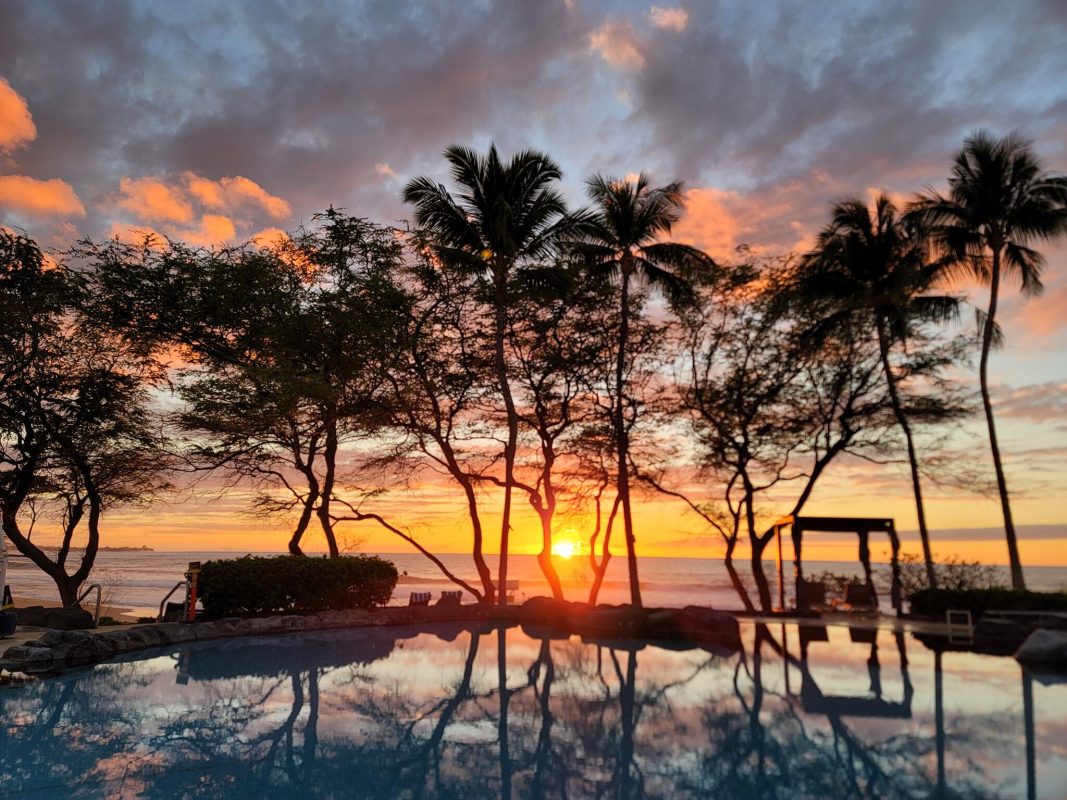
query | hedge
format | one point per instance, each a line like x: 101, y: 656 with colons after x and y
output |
x: 283, y: 584
x: 935, y: 602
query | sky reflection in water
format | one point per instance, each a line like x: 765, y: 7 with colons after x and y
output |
x: 392, y: 713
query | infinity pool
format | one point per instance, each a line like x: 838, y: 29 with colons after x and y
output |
x: 453, y: 713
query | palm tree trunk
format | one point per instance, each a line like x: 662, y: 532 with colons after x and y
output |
x: 1017, y: 581
x: 622, y: 440
x: 913, y: 461
x: 513, y: 432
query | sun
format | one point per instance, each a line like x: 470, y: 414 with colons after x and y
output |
x: 565, y: 549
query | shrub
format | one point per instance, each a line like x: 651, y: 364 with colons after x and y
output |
x: 837, y: 583
x: 952, y: 573
x: 279, y: 584
x: 935, y: 602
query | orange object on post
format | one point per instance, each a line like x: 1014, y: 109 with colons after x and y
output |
x: 190, y: 602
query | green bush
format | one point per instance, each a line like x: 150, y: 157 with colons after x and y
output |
x: 285, y: 584
x: 935, y: 602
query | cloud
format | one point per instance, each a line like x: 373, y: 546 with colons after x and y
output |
x: 269, y: 237
x: 137, y: 234
x: 50, y: 198
x: 221, y: 208
x: 235, y: 193
x: 708, y: 222
x: 213, y: 229
x: 719, y: 220
x: 1037, y: 403
x: 617, y: 44
x: 152, y: 200
x: 1040, y: 318
x: 16, y: 122
x: 384, y: 169
x: 671, y: 19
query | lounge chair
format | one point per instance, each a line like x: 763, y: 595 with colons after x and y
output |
x: 450, y: 598
x: 812, y: 595
x: 419, y: 599
x: 858, y: 597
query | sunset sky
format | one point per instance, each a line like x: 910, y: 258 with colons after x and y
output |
x: 217, y: 122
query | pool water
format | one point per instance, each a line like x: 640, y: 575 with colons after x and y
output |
x: 454, y: 713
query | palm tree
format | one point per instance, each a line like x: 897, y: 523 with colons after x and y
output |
x: 873, y: 268
x: 504, y: 217
x: 621, y: 243
x: 999, y: 202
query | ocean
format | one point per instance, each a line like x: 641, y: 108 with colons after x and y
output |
x: 140, y: 579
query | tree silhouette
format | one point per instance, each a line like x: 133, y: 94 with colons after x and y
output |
x: 77, y: 436
x: 621, y: 243
x: 999, y: 202
x: 505, y: 218
x: 870, y: 264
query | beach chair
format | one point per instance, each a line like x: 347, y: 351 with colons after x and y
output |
x: 419, y: 599
x: 450, y: 598
x: 812, y: 595
x: 858, y: 597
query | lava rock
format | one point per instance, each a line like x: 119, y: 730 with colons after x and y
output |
x: 63, y: 619
x: 1044, y: 646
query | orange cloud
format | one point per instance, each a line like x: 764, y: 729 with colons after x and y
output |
x: 1039, y: 318
x: 384, y: 169
x: 671, y: 19
x: 766, y: 220
x: 137, y: 234
x: 39, y: 198
x: 198, y: 210
x: 270, y: 237
x: 235, y: 192
x: 617, y: 44
x: 16, y: 122
x: 151, y: 199
x: 213, y: 229
x: 708, y: 222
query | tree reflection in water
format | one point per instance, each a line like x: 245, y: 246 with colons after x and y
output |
x: 372, y: 714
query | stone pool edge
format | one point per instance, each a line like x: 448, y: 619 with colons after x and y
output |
x: 56, y: 651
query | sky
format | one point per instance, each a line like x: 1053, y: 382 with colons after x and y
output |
x: 218, y: 122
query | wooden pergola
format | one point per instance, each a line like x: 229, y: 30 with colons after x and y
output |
x: 862, y: 528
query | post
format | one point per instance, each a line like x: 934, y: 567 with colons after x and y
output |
x: 798, y: 567
x: 3, y: 564
x: 781, y: 575
x: 190, y: 593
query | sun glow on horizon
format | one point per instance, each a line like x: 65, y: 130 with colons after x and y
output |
x: 565, y: 549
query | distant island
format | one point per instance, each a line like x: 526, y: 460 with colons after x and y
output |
x: 142, y: 549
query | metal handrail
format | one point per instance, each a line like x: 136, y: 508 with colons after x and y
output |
x: 86, y: 593
x: 177, y: 586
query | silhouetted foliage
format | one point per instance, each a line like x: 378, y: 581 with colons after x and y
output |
x: 872, y: 269
x: 504, y: 220
x: 1000, y: 202
x: 622, y: 241
x: 77, y: 436
x: 284, y: 584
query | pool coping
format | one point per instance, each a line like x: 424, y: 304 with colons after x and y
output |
x: 41, y: 652
x: 54, y: 651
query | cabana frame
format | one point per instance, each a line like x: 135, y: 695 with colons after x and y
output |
x: 862, y: 527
